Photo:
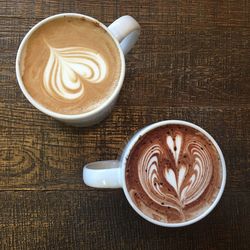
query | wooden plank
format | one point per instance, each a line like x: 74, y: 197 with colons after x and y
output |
x: 50, y: 155
x: 104, y: 220
x: 185, y: 56
x: 191, y: 62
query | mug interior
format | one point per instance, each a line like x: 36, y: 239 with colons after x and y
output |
x: 43, y: 109
x: 130, y: 146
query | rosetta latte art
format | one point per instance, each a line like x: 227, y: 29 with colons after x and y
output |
x: 186, y: 191
x: 173, y: 174
x: 68, y: 68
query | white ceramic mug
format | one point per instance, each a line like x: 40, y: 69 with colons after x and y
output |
x: 124, y: 32
x: 111, y: 174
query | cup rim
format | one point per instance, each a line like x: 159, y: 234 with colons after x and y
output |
x: 47, y: 111
x: 131, y: 144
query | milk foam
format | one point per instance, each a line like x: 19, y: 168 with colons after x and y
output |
x: 71, y: 65
x: 173, y: 174
x: 68, y: 69
x: 188, y: 192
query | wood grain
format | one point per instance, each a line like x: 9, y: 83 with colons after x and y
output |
x: 192, y: 62
x: 54, y: 158
x: 104, y: 220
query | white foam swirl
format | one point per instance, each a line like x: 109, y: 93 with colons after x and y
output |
x: 68, y: 68
x: 150, y: 178
x: 201, y: 173
x: 189, y: 182
x: 175, y: 146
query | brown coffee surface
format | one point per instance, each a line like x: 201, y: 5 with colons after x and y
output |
x: 70, y: 65
x: 173, y: 173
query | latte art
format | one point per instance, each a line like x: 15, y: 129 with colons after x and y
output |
x: 71, y: 65
x: 188, y: 182
x: 174, y: 175
x: 68, y: 68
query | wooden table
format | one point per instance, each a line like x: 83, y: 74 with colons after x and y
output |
x: 192, y: 62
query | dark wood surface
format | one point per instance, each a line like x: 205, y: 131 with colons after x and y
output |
x: 192, y: 62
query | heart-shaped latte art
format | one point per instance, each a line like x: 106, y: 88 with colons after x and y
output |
x: 177, y: 186
x: 68, y: 68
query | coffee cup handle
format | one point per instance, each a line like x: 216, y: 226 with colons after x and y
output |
x: 126, y: 30
x: 103, y: 174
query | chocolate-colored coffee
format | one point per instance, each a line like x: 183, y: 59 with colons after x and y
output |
x: 173, y: 173
x: 70, y: 65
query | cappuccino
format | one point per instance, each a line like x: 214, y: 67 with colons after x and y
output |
x: 70, y: 65
x: 173, y: 173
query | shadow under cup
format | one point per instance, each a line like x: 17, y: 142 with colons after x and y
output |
x: 170, y: 171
